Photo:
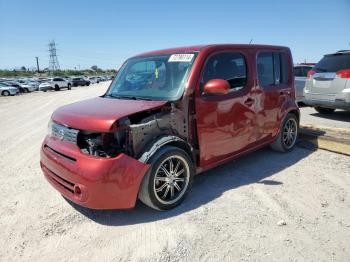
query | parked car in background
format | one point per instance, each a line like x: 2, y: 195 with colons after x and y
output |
x: 15, y: 84
x: 300, y: 74
x: 80, y: 81
x: 34, y: 83
x: 69, y: 80
x: 56, y: 83
x: 328, y: 83
x: 7, y: 89
x: 94, y: 80
x: 148, y: 142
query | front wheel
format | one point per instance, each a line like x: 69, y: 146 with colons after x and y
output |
x: 69, y: 87
x: 324, y: 110
x: 168, y: 180
x: 288, y: 134
x: 5, y: 93
x: 57, y: 88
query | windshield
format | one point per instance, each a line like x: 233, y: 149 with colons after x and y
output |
x: 160, y: 77
x: 333, y: 63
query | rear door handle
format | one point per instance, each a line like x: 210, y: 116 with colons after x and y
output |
x: 249, y: 102
x: 285, y: 93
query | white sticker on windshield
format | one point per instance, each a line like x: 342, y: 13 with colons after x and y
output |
x: 181, y: 58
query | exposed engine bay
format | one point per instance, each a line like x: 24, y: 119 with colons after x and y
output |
x: 134, y: 133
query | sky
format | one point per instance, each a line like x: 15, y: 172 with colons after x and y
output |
x: 106, y: 32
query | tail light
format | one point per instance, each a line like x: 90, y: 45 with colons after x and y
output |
x: 311, y: 73
x: 345, y: 73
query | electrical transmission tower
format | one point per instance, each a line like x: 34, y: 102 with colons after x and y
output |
x: 53, y: 63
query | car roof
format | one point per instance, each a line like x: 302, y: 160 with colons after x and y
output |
x: 340, y: 52
x: 198, y: 48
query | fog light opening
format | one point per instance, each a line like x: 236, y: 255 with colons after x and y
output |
x: 77, y: 190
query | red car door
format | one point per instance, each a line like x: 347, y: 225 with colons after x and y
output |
x: 274, y: 85
x: 225, y: 123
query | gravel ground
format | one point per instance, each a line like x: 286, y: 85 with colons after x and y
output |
x: 338, y: 119
x: 262, y: 207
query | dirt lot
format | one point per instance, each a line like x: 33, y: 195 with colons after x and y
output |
x: 266, y: 206
x: 338, y: 119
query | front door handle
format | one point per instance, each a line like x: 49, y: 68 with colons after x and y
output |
x: 249, y: 102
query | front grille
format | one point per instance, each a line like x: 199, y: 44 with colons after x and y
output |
x: 59, y: 153
x: 64, y: 133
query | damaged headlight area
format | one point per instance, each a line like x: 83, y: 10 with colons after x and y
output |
x: 102, y: 144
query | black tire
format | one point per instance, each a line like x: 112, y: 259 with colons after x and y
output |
x: 57, y: 88
x: 324, y: 110
x: 26, y: 90
x: 5, y: 93
x: 69, y: 87
x: 288, y: 134
x: 167, y: 195
x: 87, y: 84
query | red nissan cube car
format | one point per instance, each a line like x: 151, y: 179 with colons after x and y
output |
x: 169, y: 115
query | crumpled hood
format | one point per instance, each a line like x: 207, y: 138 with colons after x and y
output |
x: 98, y: 114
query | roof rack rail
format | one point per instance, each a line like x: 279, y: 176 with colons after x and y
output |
x: 343, y: 51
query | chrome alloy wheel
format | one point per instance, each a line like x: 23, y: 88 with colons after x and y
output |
x: 290, y: 133
x: 171, y: 179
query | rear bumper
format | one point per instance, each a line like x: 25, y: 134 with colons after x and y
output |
x: 337, y: 101
x: 98, y: 183
x: 336, y: 104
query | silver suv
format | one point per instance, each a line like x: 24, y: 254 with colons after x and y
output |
x: 328, y: 85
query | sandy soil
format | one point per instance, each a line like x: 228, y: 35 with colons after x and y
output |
x: 266, y: 206
x: 338, y: 119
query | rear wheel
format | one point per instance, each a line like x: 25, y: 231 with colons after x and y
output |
x: 288, y: 134
x: 324, y: 110
x: 57, y: 88
x: 168, y: 180
x: 5, y: 93
x: 69, y: 87
x: 26, y: 90
x: 87, y: 84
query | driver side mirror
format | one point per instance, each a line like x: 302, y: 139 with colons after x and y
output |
x: 217, y: 87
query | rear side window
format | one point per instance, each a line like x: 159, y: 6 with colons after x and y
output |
x: 273, y: 68
x: 230, y: 66
x: 265, y: 66
x: 333, y: 63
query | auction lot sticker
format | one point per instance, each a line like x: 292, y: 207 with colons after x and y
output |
x: 181, y: 58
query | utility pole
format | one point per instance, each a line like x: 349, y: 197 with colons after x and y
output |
x: 53, y: 62
x: 37, y: 64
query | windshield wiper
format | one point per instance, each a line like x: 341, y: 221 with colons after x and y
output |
x: 114, y: 96
x: 129, y: 97
x: 135, y: 98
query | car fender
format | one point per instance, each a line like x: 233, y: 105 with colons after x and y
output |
x: 289, y: 106
x: 159, y: 142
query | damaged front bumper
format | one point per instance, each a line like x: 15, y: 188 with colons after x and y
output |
x: 93, y: 182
